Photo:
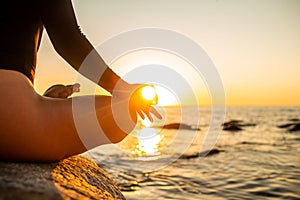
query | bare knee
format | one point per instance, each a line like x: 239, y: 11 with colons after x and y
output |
x: 116, y: 119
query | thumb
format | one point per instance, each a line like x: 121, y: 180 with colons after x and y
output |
x: 73, y: 88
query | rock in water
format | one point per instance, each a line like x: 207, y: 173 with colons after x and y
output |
x: 179, y: 126
x: 232, y: 127
x: 76, y: 177
x: 202, y: 154
x: 295, y: 127
x: 285, y: 125
x: 291, y: 127
x: 235, y: 125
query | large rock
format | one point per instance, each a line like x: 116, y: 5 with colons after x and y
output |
x: 74, y: 178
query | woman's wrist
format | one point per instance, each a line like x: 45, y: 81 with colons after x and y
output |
x: 110, y: 80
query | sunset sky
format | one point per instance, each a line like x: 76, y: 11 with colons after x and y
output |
x: 254, y: 44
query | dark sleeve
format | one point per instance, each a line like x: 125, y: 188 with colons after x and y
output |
x: 59, y: 20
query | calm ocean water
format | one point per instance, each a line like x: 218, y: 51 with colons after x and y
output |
x: 262, y: 161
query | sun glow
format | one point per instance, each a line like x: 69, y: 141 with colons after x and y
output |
x: 148, y: 92
x: 165, y: 97
x: 159, y: 95
x: 146, y: 122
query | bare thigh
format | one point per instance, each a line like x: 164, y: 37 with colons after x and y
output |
x: 22, y: 127
x: 37, y: 128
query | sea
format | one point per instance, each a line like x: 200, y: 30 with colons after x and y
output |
x: 194, y: 158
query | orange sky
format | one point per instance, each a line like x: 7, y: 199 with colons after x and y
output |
x: 255, y: 45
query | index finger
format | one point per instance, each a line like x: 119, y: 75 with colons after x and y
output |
x: 155, y: 112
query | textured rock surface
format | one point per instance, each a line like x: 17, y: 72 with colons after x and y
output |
x: 74, y: 178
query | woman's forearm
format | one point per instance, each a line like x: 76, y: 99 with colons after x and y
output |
x: 94, y: 68
x: 73, y: 46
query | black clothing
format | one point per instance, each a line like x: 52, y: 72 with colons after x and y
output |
x: 22, y: 23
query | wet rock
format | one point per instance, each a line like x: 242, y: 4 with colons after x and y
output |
x: 294, y: 120
x: 291, y: 127
x: 295, y: 127
x: 232, y: 125
x: 179, y: 126
x: 285, y: 125
x: 202, y: 154
x: 235, y: 125
x: 74, y: 178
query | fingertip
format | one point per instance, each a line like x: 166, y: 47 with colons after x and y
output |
x: 155, y: 113
x: 74, y: 88
x: 141, y: 114
x: 159, y: 116
x: 149, y: 117
x: 77, y: 87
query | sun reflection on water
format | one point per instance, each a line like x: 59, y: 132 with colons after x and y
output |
x: 148, y: 143
x: 145, y: 142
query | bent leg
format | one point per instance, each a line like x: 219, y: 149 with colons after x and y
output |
x: 38, y: 128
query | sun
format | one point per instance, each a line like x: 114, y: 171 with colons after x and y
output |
x: 148, y: 92
x: 160, y: 94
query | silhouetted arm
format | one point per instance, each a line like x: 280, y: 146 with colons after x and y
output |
x: 61, y: 25
x: 60, y: 22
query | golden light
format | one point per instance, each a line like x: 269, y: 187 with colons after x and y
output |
x: 148, y: 144
x: 146, y: 122
x: 159, y: 95
x: 148, y: 92
x: 165, y: 97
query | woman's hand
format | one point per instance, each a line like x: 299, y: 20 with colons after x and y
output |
x: 61, y: 91
x: 133, y: 94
